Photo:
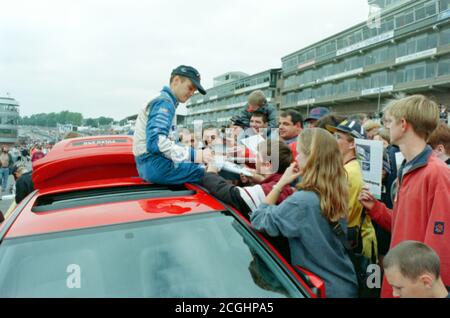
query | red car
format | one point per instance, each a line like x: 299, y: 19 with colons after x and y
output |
x: 95, y: 229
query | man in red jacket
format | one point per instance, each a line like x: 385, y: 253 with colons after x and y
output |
x: 422, y: 204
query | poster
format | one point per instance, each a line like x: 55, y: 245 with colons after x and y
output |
x: 370, y: 156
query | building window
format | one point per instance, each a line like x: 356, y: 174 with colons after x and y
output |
x: 444, y: 36
x: 400, y: 76
x: 420, y: 12
x: 445, y: 5
x: 431, y: 8
x: 432, y: 40
x: 419, y: 72
x: 422, y: 43
x: 290, y: 63
x: 399, y: 21
x: 409, y: 16
x: 387, y: 25
x: 340, y: 43
x: 430, y: 70
x: 310, y: 55
x: 331, y: 47
x: 416, y: 72
x: 320, y: 51
x: 411, y: 46
x: 444, y: 66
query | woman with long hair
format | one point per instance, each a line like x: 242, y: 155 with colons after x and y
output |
x: 305, y: 217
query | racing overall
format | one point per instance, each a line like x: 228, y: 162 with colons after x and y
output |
x: 158, y: 159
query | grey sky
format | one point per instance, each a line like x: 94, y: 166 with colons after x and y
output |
x: 109, y: 57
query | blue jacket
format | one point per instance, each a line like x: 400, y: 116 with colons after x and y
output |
x: 313, y: 244
x: 153, y: 125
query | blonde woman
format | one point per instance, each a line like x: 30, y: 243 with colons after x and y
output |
x: 305, y: 217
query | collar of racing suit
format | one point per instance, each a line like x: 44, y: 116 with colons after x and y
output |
x: 167, y: 91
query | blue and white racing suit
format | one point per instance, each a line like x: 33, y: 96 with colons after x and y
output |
x: 158, y: 159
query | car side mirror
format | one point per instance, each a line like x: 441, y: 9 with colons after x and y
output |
x: 314, y: 282
x: 2, y: 217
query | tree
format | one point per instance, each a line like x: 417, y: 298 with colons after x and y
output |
x: 52, y: 119
x: 103, y: 121
x: 91, y: 122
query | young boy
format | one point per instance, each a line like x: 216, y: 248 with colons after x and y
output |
x: 440, y: 142
x: 413, y: 271
x: 158, y: 159
x: 422, y: 204
x: 257, y: 102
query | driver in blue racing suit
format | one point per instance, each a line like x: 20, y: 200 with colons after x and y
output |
x: 158, y: 159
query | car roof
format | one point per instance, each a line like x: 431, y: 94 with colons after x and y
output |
x: 90, y: 182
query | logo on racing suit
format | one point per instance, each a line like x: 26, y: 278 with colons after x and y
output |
x: 439, y: 228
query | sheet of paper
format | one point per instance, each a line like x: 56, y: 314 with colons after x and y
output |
x: 370, y: 156
x: 252, y: 143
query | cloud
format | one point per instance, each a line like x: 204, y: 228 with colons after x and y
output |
x: 110, y: 57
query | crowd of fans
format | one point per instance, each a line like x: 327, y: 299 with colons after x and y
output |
x: 316, y: 185
x: 299, y: 181
x: 17, y: 161
x: 309, y: 192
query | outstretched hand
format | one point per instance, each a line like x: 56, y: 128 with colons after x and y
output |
x: 208, y: 155
x: 204, y: 156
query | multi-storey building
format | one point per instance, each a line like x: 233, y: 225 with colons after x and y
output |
x: 228, y: 78
x: 224, y: 100
x: 406, y: 50
x: 9, y: 120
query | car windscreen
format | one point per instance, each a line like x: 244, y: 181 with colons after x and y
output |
x: 205, y: 255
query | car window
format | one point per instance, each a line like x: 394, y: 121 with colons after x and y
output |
x: 207, y: 255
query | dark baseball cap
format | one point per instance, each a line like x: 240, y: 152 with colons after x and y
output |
x: 317, y: 113
x: 192, y: 74
x: 351, y: 127
x: 15, y: 168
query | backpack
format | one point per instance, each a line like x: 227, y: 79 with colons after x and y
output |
x: 360, y: 263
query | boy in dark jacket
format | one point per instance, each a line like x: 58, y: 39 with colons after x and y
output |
x: 257, y: 102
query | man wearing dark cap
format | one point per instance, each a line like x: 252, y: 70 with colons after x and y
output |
x: 24, y: 182
x: 346, y: 133
x: 158, y: 159
x: 314, y: 115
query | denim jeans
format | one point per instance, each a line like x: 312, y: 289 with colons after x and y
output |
x: 160, y: 170
x: 4, y: 174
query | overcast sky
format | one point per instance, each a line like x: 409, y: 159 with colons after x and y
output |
x: 109, y: 57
